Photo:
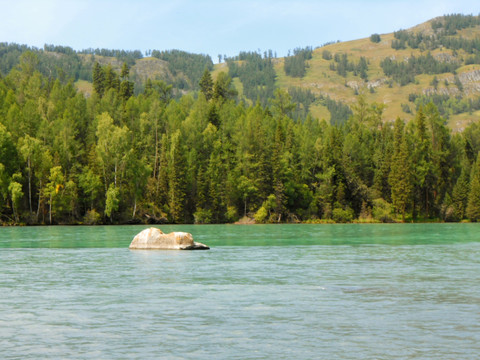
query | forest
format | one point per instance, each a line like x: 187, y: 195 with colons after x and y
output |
x: 208, y: 157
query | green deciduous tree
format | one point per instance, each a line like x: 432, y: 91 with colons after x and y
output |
x: 113, y: 143
x: 53, y: 190
x: 16, y: 194
x: 112, y: 201
x: 91, y: 185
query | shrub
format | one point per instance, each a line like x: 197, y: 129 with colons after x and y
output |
x: 343, y: 215
x: 202, y: 216
x: 382, y: 210
x: 92, y: 217
x: 327, y: 55
x: 231, y: 214
x: 261, y: 215
x: 375, y: 38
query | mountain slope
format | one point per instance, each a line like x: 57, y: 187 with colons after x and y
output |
x: 460, y: 81
x: 435, y: 61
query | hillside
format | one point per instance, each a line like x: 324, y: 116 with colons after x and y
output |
x: 323, y: 79
x: 435, y: 61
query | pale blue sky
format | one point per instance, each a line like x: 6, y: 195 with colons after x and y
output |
x: 212, y: 27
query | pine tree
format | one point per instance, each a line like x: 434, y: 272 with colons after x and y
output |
x: 126, y: 90
x: 278, y: 174
x: 126, y: 86
x: 215, y: 173
x: 177, y: 179
x: 473, y: 207
x: 422, y: 164
x: 400, y: 173
x: 98, y: 79
x: 460, y: 193
x: 125, y: 71
x: 163, y: 189
x: 223, y: 88
x: 206, y: 84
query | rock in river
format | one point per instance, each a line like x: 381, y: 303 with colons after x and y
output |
x: 155, y: 239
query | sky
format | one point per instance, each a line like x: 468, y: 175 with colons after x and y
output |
x: 213, y: 27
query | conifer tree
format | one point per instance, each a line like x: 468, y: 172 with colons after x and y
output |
x: 206, y: 84
x: 422, y: 164
x: 400, y: 173
x: 177, y: 179
x: 473, y: 207
x: 460, y: 192
x: 163, y: 189
x: 98, y: 79
x: 278, y: 173
x: 223, y: 88
x: 125, y: 71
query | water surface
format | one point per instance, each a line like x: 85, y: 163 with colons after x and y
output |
x: 261, y: 292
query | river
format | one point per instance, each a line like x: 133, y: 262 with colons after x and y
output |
x: 399, y: 291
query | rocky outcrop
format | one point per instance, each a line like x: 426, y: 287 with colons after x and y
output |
x: 155, y: 239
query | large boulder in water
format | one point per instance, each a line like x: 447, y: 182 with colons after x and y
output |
x: 155, y: 239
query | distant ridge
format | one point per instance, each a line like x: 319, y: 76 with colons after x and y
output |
x: 438, y: 61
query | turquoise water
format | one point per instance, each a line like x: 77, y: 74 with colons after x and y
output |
x: 262, y: 292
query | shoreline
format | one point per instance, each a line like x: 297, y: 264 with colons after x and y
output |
x: 322, y: 222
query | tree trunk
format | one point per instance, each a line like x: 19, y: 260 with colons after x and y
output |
x: 30, y: 185
x: 50, y: 210
x: 39, y: 200
x: 155, y: 164
x: 14, y: 212
x: 426, y: 202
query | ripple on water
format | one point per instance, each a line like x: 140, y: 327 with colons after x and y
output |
x: 346, y: 301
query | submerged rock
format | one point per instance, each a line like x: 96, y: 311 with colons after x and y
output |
x: 155, y: 239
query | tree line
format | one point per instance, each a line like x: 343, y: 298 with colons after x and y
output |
x: 296, y: 65
x: 404, y: 72
x: 186, y: 68
x: 342, y: 65
x: 445, y: 30
x: 116, y: 157
x: 446, y: 105
x: 65, y: 63
x: 256, y: 73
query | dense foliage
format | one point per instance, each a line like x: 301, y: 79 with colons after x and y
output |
x: 56, y: 62
x: 404, y: 72
x: 375, y: 38
x: 64, y: 63
x: 339, y: 112
x: 256, y: 74
x: 122, y: 55
x: 189, y: 65
x: 444, y: 30
x: 116, y: 157
x: 451, y: 23
x: 447, y: 105
x: 296, y: 65
x: 303, y: 99
x: 342, y: 65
